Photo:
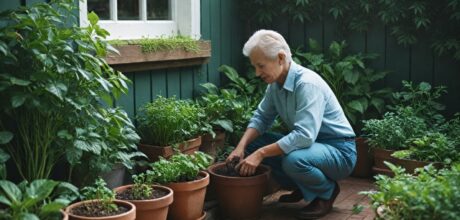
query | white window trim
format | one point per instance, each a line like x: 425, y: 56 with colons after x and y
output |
x: 185, y: 21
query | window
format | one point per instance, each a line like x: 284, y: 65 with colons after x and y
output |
x: 135, y: 19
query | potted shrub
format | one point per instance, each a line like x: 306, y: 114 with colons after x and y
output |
x: 40, y: 199
x: 100, y: 203
x: 239, y: 197
x: 391, y: 133
x: 151, y: 201
x: 169, y: 124
x: 431, y: 194
x: 55, y: 84
x: 184, y: 174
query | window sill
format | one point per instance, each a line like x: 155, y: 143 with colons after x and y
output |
x: 131, y: 58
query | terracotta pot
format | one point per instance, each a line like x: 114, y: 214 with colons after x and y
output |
x: 240, y: 197
x: 188, y: 198
x: 363, y: 167
x: 381, y: 155
x: 152, y: 208
x: 129, y: 215
x: 65, y: 216
x: 411, y: 165
x: 211, y: 145
x: 154, y: 152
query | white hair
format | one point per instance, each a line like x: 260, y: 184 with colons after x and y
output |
x: 269, y: 42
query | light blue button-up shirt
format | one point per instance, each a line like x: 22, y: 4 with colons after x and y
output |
x: 307, y: 105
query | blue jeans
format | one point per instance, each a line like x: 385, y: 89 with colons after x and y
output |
x: 313, y: 169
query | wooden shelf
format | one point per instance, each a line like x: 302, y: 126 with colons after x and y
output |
x: 131, y: 58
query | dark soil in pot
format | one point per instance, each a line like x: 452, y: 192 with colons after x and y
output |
x: 230, y: 169
x: 128, y: 194
x: 97, y: 210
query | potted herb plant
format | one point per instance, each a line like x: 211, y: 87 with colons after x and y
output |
x: 185, y: 175
x: 431, y: 194
x: 169, y: 124
x: 151, y: 201
x: 100, y: 203
x: 239, y: 197
x: 40, y: 199
x: 391, y: 133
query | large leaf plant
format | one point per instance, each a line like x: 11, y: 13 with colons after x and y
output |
x: 55, y: 89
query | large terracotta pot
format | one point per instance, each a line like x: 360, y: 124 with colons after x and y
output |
x: 381, y: 155
x: 129, y: 215
x: 188, y: 198
x: 211, y: 145
x: 152, y: 208
x: 363, y: 167
x: 154, y: 152
x: 240, y: 197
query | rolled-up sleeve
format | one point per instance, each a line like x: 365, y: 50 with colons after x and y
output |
x: 265, y: 114
x: 309, y: 110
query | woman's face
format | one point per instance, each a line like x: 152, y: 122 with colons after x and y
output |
x: 269, y: 70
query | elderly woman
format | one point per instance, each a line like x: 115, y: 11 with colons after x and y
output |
x: 320, y: 147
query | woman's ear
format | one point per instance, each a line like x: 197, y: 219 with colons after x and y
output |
x: 281, y: 58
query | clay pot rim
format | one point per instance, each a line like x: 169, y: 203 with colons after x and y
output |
x: 125, y: 187
x: 202, y: 182
x: 216, y: 165
x: 131, y: 211
x: 203, y: 216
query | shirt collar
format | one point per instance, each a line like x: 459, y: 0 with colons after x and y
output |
x: 290, y: 78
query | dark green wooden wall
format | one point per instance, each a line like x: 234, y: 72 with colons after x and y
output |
x: 222, y: 24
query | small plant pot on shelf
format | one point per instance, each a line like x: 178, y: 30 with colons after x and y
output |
x: 154, y: 152
x: 363, y: 167
x: 381, y: 155
x: 189, y: 198
x: 211, y: 145
x: 130, y: 214
x: 156, y: 208
x: 240, y: 197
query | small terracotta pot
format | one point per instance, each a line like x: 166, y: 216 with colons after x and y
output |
x: 129, y: 215
x: 381, y: 155
x: 188, y: 198
x: 154, y: 152
x: 240, y: 197
x: 152, y: 208
x: 411, y: 165
x: 363, y: 167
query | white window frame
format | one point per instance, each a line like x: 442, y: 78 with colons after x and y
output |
x: 185, y: 21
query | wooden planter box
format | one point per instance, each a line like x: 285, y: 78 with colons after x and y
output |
x: 154, y: 152
x: 131, y: 58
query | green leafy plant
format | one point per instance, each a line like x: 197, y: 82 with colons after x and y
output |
x: 423, y: 99
x: 161, y: 44
x: 430, y: 147
x: 168, y: 121
x: 3, y: 158
x: 394, y: 129
x: 349, y: 78
x: 142, y: 187
x: 40, y: 199
x: 179, y: 168
x: 430, y: 194
x: 102, y: 198
x: 54, y: 88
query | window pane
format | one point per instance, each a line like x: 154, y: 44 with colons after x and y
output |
x: 128, y: 10
x: 100, y: 7
x: 158, y: 10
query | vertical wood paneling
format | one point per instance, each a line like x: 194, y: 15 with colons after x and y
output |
x: 447, y: 73
x: 126, y: 101
x: 7, y: 5
x: 199, y: 77
x: 397, y: 61
x: 31, y: 2
x: 186, y: 84
x: 205, y: 30
x: 422, y: 62
x: 158, y: 82
x: 296, y: 36
x: 173, y: 82
x: 215, y: 62
x: 142, y: 88
x: 314, y: 31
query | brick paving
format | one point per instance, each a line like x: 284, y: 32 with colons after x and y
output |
x: 350, y: 187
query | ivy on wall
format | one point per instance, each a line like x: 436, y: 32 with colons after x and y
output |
x: 408, y: 20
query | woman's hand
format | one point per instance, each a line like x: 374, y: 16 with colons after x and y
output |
x: 237, y: 152
x: 248, y: 166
